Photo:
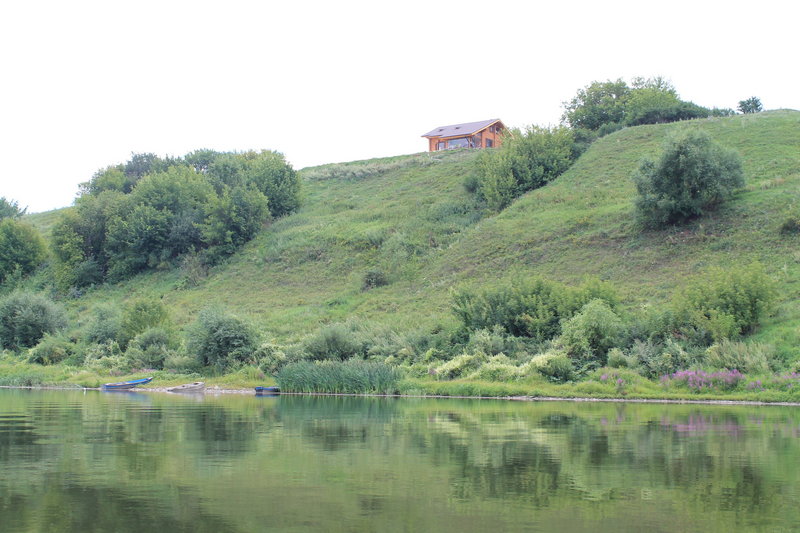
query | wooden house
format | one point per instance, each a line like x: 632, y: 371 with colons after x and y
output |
x: 483, y: 134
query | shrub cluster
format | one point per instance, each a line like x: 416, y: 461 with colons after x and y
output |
x: 525, y: 161
x: 532, y: 309
x: 150, y: 212
x: 692, y: 175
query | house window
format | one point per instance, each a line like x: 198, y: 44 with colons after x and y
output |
x: 489, y: 143
x: 440, y: 145
x: 462, y: 142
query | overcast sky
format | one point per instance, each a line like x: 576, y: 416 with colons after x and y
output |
x: 84, y: 84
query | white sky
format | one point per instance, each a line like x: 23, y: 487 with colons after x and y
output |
x: 83, y: 84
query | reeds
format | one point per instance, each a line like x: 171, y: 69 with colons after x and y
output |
x: 348, y: 377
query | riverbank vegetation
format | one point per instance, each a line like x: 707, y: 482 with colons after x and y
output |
x: 552, y: 266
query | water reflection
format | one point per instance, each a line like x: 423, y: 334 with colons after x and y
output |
x: 99, y: 462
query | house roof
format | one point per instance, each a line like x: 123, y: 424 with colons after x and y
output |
x: 457, y: 130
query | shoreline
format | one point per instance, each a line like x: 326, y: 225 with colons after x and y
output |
x: 216, y: 391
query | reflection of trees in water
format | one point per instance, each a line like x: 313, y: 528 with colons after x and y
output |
x: 338, y: 422
x: 222, y: 431
x: 65, y: 505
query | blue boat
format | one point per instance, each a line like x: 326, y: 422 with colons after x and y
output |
x: 126, y: 385
x: 268, y: 390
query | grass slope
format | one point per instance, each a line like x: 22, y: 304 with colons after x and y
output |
x: 411, y: 218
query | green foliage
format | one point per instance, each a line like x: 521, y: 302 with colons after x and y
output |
x: 105, y: 324
x: 748, y: 358
x: 791, y: 225
x: 525, y: 161
x: 234, y: 218
x: 604, y: 107
x: 558, y: 368
x: 140, y: 315
x: 750, y: 105
x: 51, y: 350
x: 149, y: 212
x: 497, y: 368
x: 348, y: 377
x: 589, y: 335
x: 10, y: 209
x: 597, y: 104
x: 726, y: 303
x: 272, y: 175
x: 692, y: 175
x: 617, y: 359
x: 374, y: 278
x: 270, y: 358
x: 25, y: 318
x: 532, y: 308
x: 337, y: 342
x: 22, y: 249
x: 460, y: 366
x: 221, y: 340
x: 151, y: 347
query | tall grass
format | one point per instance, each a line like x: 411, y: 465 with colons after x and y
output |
x: 348, y: 377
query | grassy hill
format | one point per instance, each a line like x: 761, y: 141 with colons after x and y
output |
x: 410, y: 219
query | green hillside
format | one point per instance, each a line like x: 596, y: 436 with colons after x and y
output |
x: 411, y: 218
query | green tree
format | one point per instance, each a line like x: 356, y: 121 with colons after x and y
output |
x: 270, y: 173
x: 219, y: 339
x: 693, y: 174
x: 22, y: 249
x: 234, y: 218
x: 597, y: 104
x: 140, y: 315
x: 526, y: 161
x: 751, y: 105
x: 10, y: 209
x: 25, y: 318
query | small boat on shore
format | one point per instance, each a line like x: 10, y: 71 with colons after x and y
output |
x: 197, y: 386
x: 126, y: 385
x: 267, y: 390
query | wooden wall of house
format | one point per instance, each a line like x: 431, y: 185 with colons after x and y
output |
x: 496, y: 137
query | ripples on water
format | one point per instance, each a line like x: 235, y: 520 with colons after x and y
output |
x: 75, y: 461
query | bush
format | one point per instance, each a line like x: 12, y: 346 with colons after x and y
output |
x: 791, y: 225
x: 337, y: 342
x: 526, y: 161
x: 21, y: 248
x: 531, y: 309
x: 618, y: 359
x: 374, y: 279
x: 348, y: 377
x: 558, y: 368
x: 497, y: 368
x: 460, y: 366
x: 693, y: 175
x: 749, y: 358
x: 105, y: 324
x: 220, y: 339
x: 269, y: 358
x: 140, y: 315
x: 588, y: 336
x: 150, y: 348
x: 52, y: 350
x: 25, y: 318
x: 726, y: 303
x: 106, y: 357
x: 750, y: 105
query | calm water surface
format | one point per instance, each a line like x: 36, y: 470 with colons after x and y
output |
x: 75, y: 461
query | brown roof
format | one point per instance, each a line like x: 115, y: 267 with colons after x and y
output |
x: 468, y: 128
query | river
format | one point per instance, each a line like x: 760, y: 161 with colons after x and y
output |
x: 91, y: 461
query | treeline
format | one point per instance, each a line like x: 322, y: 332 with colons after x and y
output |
x: 151, y: 212
x: 531, y: 158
